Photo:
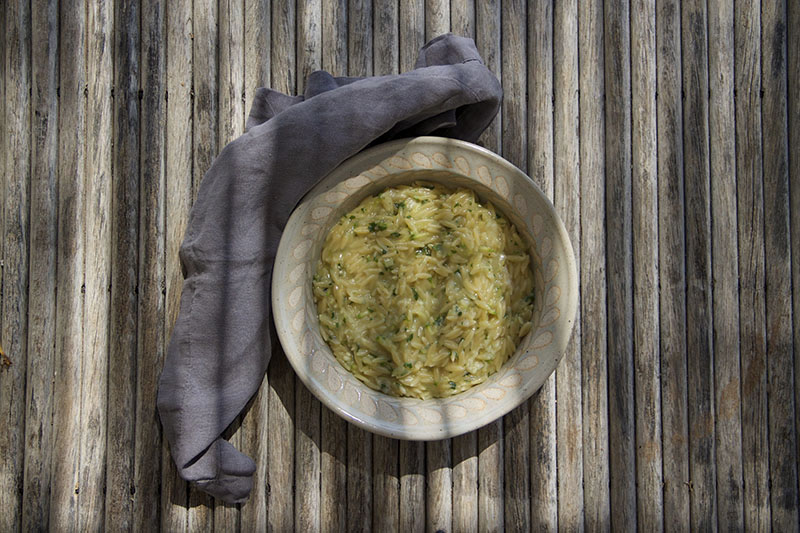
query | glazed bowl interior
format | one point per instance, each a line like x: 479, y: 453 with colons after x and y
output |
x: 454, y: 164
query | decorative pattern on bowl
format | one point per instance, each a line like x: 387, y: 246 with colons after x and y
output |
x: 456, y: 164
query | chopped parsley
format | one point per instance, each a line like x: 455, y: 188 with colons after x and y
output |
x: 377, y: 226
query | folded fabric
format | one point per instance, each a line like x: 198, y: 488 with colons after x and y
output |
x: 221, y: 342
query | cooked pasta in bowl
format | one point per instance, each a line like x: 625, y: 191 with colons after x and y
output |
x: 424, y: 288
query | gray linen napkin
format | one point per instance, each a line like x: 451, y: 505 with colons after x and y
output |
x: 221, y: 342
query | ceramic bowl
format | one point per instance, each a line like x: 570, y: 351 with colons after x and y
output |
x: 455, y: 164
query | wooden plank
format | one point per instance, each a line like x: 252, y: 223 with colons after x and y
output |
x: 178, y: 183
x: 462, y: 20
x: 412, y: 32
x: 490, y: 437
x: 412, y: 486
x: 334, y: 36
x: 671, y: 251
x: 333, y: 469
x: 124, y: 268
x: 230, y: 121
x: 439, y: 477
x: 146, y: 484
x: 309, y: 40
x: 725, y: 267
x: 437, y: 18
x: 793, y: 89
x: 280, y: 441
x: 359, y: 38
x: 42, y: 276
x: 307, y: 408
x: 386, y: 59
x: 98, y: 234
x: 777, y: 248
x: 359, y: 479
x: 566, y: 150
x: 70, y: 260
x: 385, y: 484
x: 359, y: 441
x: 205, y: 145
x: 702, y: 496
x: 333, y: 482
x: 752, y: 313
x: 543, y: 469
x: 619, y: 258
x: 594, y: 382
x: 516, y: 425
x: 644, y: 200
x: 14, y: 334
x: 255, y: 423
x: 487, y: 40
x: 465, y: 482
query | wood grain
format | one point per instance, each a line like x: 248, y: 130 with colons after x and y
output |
x: 412, y: 486
x: 16, y: 184
x: 644, y: 200
x: 487, y: 40
x: 145, y: 487
x: 702, y: 498
x: 777, y: 250
x: 42, y: 261
x: 567, y: 201
x: 280, y: 441
x: 437, y: 18
x: 725, y: 273
x: 230, y: 121
x: 752, y: 312
x: 255, y: 421
x: 621, y: 425
x: 793, y: 101
x: 543, y: 465
x: 205, y: 146
x: 70, y: 259
x: 663, y: 132
x: 124, y: 269
x: 385, y: 484
x: 333, y: 460
x: 672, y: 278
x: 178, y: 174
x: 594, y: 382
x: 97, y: 277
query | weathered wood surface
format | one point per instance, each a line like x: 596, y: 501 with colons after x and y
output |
x: 664, y: 132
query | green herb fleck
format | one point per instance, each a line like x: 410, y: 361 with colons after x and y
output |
x: 416, y: 294
x: 452, y: 385
x: 377, y: 226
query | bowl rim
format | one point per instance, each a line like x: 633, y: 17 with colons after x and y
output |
x: 389, y: 149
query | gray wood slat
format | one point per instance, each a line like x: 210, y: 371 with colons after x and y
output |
x: 97, y: 207
x: 567, y: 201
x: 543, y: 469
x: 780, y: 383
x: 594, y: 383
x: 621, y: 407
x: 70, y: 260
x: 644, y: 200
x: 725, y: 273
x: 145, y: 488
x: 333, y: 473
x: 672, y: 278
x: 124, y: 268
x: 752, y: 312
x: 16, y: 181
x: 793, y: 102
x: 205, y: 146
x: 255, y: 422
x: 280, y: 442
x: 178, y: 176
x: 42, y: 260
x: 307, y: 407
x: 702, y: 496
